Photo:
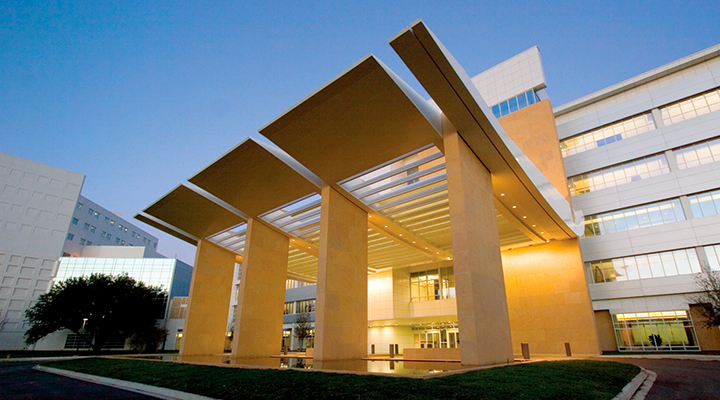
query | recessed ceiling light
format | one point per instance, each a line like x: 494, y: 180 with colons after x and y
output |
x: 514, y: 206
x: 502, y: 194
x: 524, y: 216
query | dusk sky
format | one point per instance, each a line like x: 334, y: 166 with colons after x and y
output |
x: 139, y: 96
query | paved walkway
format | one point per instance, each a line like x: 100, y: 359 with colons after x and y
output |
x: 679, y: 379
x: 19, y: 381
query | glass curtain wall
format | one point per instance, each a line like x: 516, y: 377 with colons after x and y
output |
x: 655, y: 331
x: 443, y: 336
x: 434, y: 284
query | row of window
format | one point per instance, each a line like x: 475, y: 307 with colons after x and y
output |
x: 689, y: 156
x: 703, y: 204
x: 690, y: 108
x: 110, y: 222
x: 299, y: 307
x: 516, y: 103
x: 615, y: 132
x: 291, y: 283
x: 672, y: 113
x: 642, y: 216
x: 83, y: 242
x: 654, y: 265
x: 615, y: 175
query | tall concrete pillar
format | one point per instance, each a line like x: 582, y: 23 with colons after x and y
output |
x: 480, y: 288
x: 210, y: 289
x: 341, y: 308
x: 259, y: 318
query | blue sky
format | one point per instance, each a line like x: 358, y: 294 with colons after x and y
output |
x: 139, y: 96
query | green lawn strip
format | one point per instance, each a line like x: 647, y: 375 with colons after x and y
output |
x: 574, y: 379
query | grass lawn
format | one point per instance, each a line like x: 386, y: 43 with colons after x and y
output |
x: 66, y: 353
x: 573, y: 379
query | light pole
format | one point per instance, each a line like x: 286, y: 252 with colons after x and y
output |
x: 80, y: 333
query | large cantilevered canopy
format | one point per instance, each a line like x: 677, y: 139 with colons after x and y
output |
x: 189, y: 215
x: 363, y: 118
x: 519, y: 186
x: 253, y: 179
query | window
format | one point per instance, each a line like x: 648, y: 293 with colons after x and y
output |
x: 79, y: 206
x: 86, y: 227
x: 692, y: 107
x: 92, y: 229
x: 698, y: 154
x: 654, y: 265
x: 82, y: 241
x: 434, y: 284
x: 117, y: 240
x: 107, y: 219
x: 88, y: 243
x: 305, y: 306
x: 608, y: 134
x: 96, y: 214
x: 112, y: 222
x: 288, y: 308
x: 75, y: 221
x: 705, y: 204
x: 70, y: 236
x: 653, y: 331
x: 619, y: 174
x: 515, y: 103
x: 90, y: 211
x: 122, y: 243
x: 108, y: 237
x: 628, y: 219
x: 713, y: 255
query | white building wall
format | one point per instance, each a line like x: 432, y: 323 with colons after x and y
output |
x: 36, y: 205
x: 646, y: 93
x: 92, y: 223
x: 511, y: 77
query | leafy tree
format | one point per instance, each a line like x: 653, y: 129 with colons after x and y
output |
x: 148, y: 340
x: 97, y: 308
x: 708, y: 298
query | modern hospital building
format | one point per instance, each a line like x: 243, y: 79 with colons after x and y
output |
x: 464, y: 226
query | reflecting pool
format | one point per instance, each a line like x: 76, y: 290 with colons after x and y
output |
x: 375, y: 366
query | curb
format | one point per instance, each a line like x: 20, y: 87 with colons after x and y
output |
x: 638, y: 388
x: 148, y: 390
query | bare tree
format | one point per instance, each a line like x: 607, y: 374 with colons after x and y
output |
x: 303, y: 326
x: 708, y: 298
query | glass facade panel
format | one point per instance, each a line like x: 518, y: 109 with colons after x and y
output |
x: 435, y: 284
x: 655, y: 265
x: 690, y: 108
x: 436, y: 335
x: 637, y: 217
x: 515, y: 103
x: 713, y: 255
x: 615, y: 175
x: 655, y: 331
x: 698, y: 154
x: 608, y: 134
x: 705, y: 204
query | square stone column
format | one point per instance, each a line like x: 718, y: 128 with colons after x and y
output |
x: 341, y: 305
x: 209, y: 301
x: 259, y: 317
x: 480, y: 287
